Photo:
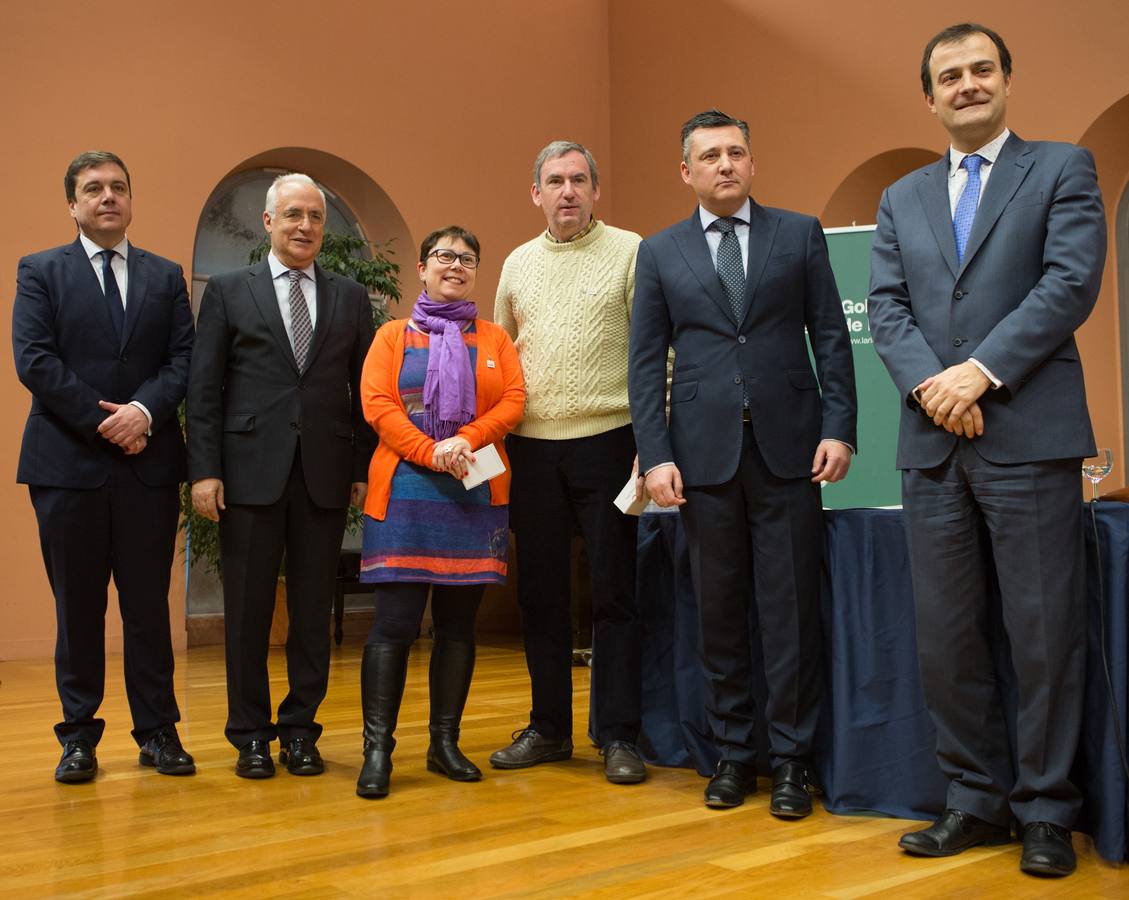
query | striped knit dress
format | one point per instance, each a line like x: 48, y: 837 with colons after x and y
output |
x: 435, y: 530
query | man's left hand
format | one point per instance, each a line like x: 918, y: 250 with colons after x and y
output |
x: 831, y: 462
x: 125, y: 424
x: 358, y: 493
x: 951, y: 393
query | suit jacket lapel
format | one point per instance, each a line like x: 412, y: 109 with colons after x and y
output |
x: 762, y: 232
x: 87, y: 289
x: 691, y: 240
x: 326, y: 303
x: 933, y: 191
x: 262, y: 293
x: 1008, y: 172
x: 137, y: 290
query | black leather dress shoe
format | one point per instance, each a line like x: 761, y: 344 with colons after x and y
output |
x: 77, y: 764
x: 792, y: 787
x: 954, y: 833
x: 731, y: 783
x: 301, y: 757
x: 254, y: 760
x: 164, y: 752
x: 1047, y: 850
x: 530, y: 748
x: 622, y: 763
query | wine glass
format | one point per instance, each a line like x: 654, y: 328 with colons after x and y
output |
x: 1095, y: 468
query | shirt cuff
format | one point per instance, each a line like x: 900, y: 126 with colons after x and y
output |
x: 996, y: 383
x: 844, y: 443
x: 661, y: 465
x: 148, y: 415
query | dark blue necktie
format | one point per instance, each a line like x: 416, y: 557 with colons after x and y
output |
x: 966, y: 205
x: 113, y: 295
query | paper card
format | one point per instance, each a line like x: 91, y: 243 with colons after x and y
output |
x: 487, y: 464
x: 626, y: 502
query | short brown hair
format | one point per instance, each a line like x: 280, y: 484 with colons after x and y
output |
x: 89, y: 160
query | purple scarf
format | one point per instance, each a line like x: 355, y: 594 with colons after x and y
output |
x: 448, y: 389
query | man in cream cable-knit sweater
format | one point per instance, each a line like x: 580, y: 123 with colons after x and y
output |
x: 565, y: 299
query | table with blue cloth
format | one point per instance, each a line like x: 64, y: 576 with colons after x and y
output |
x: 875, y: 750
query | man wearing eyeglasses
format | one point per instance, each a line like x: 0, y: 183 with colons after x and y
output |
x: 565, y: 299
x: 277, y: 449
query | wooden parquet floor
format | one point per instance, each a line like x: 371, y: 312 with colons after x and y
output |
x: 558, y: 830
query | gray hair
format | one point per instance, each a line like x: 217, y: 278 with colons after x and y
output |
x: 556, y: 150
x: 289, y: 178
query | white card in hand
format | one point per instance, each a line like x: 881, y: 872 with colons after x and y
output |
x: 626, y: 502
x: 487, y: 464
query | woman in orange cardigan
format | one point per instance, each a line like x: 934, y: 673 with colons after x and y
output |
x: 436, y: 388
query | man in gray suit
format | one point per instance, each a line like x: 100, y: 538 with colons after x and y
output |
x: 984, y: 265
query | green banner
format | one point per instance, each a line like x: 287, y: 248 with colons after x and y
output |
x: 873, y: 480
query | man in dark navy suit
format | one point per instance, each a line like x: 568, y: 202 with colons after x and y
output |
x: 102, y: 335
x: 739, y: 290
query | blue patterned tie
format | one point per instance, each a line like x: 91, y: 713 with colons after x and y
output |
x: 730, y: 268
x: 966, y: 205
x: 113, y: 295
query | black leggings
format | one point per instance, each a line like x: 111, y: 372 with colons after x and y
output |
x: 400, y: 606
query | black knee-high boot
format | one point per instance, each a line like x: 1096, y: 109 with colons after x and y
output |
x: 383, y: 670
x: 452, y: 665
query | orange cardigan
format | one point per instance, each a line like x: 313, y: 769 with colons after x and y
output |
x: 499, y: 401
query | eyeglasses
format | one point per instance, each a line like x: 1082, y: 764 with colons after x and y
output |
x: 448, y: 257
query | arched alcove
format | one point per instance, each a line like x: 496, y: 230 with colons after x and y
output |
x: 1104, y: 339
x: 855, y: 201
x: 356, y: 201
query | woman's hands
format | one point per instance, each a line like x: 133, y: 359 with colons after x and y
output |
x: 452, y: 456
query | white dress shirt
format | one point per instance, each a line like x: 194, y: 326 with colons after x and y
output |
x: 740, y: 228
x: 280, y: 272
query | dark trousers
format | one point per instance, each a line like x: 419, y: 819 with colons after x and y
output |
x: 400, y: 606
x: 556, y: 484
x: 126, y: 529
x: 765, y: 532
x: 962, y: 518
x: 252, y: 542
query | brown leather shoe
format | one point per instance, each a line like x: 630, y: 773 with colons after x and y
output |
x: 528, y: 749
x: 954, y: 833
x: 622, y: 763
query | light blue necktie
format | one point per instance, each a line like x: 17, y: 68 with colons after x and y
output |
x: 966, y: 205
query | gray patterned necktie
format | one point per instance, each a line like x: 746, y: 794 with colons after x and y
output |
x: 730, y: 268
x: 301, y: 329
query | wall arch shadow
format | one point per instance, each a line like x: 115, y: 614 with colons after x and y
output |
x: 367, y: 202
x: 855, y: 200
x: 1108, y: 389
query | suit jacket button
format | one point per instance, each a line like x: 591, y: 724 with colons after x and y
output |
x: 958, y: 294
x: 740, y: 339
x: 737, y: 380
x: 294, y: 425
x: 123, y: 358
x: 957, y: 342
